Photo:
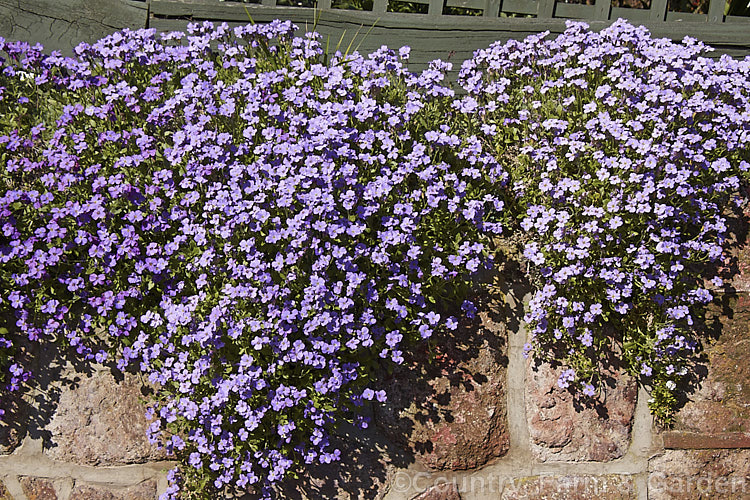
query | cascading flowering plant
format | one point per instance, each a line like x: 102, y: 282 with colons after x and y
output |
x: 629, y: 151
x: 254, y: 227
x: 257, y: 226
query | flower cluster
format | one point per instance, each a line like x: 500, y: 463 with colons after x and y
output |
x: 631, y: 149
x: 258, y: 226
x: 252, y: 225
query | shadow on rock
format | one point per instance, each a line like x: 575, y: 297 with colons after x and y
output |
x: 368, y: 463
x: 30, y: 410
x: 713, y: 321
x: 447, y: 402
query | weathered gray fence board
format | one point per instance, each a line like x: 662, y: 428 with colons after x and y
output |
x: 453, y: 45
x: 62, y: 24
x: 686, y: 17
x: 574, y: 11
x: 454, y: 24
x: 716, y: 12
x: 602, y: 9
x: 736, y: 19
x: 206, y: 9
x: 467, y: 4
x: 638, y: 16
x: 462, y: 32
x: 520, y: 6
x: 658, y: 10
x: 545, y: 9
x: 689, y: 24
x: 491, y: 8
x: 424, y: 47
x: 435, y: 8
x: 737, y: 53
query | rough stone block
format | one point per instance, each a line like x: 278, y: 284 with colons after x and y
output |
x: 722, y: 402
x: 101, y: 422
x: 561, y: 429
x: 736, y: 272
x: 4, y: 493
x: 700, y: 474
x: 448, y: 405
x: 143, y: 491
x: 366, y: 469
x: 443, y: 491
x: 36, y: 488
x: 609, y: 487
x: 19, y: 415
x: 696, y: 441
x: 12, y: 428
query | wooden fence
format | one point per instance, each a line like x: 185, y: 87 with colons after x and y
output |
x: 434, y: 33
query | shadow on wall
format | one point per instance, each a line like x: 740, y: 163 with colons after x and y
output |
x: 446, y: 405
x: 447, y: 402
x: 369, y: 461
x: 734, y: 272
x: 29, y: 412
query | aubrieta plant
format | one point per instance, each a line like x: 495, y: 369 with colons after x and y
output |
x: 253, y: 226
x: 627, y: 153
x: 259, y: 227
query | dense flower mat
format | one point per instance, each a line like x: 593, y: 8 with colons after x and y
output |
x: 261, y: 227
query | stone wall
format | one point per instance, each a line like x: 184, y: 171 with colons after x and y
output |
x: 478, y: 422
x: 81, y: 436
